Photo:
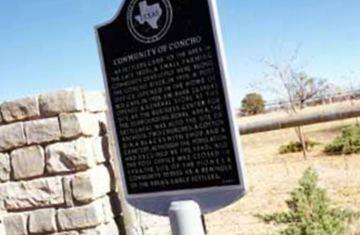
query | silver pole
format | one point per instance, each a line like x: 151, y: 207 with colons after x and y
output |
x: 185, y: 218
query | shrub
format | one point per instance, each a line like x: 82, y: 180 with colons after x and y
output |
x: 252, y: 104
x: 347, y: 143
x: 295, y: 147
x: 310, y: 211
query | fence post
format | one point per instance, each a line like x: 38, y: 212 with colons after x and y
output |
x: 185, y: 218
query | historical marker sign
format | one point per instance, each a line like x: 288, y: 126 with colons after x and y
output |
x: 165, y: 75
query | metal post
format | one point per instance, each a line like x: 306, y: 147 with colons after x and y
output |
x: 185, y: 218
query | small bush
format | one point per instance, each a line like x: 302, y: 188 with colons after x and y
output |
x: 347, y: 143
x: 310, y: 211
x: 295, y: 147
x: 252, y: 104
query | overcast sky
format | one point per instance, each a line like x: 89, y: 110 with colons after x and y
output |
x: 50, y: 45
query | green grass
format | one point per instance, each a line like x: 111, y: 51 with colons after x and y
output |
x: 347, y: 143
x: 295, y: 147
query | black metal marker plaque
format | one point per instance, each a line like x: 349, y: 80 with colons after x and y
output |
x: 166, y: 86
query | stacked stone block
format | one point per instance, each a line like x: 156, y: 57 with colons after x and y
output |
x: 55, y: 170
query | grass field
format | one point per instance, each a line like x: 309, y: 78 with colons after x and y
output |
x: 271, y: 177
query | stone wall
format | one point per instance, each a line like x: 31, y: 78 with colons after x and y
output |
x: 56, y: 173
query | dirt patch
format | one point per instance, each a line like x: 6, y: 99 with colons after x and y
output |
x: 272, y: 176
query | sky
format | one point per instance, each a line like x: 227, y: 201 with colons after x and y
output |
x: 50, y: 45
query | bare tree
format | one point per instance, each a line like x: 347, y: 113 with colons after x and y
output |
x: 353, y: 89
x: 294, y: 88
